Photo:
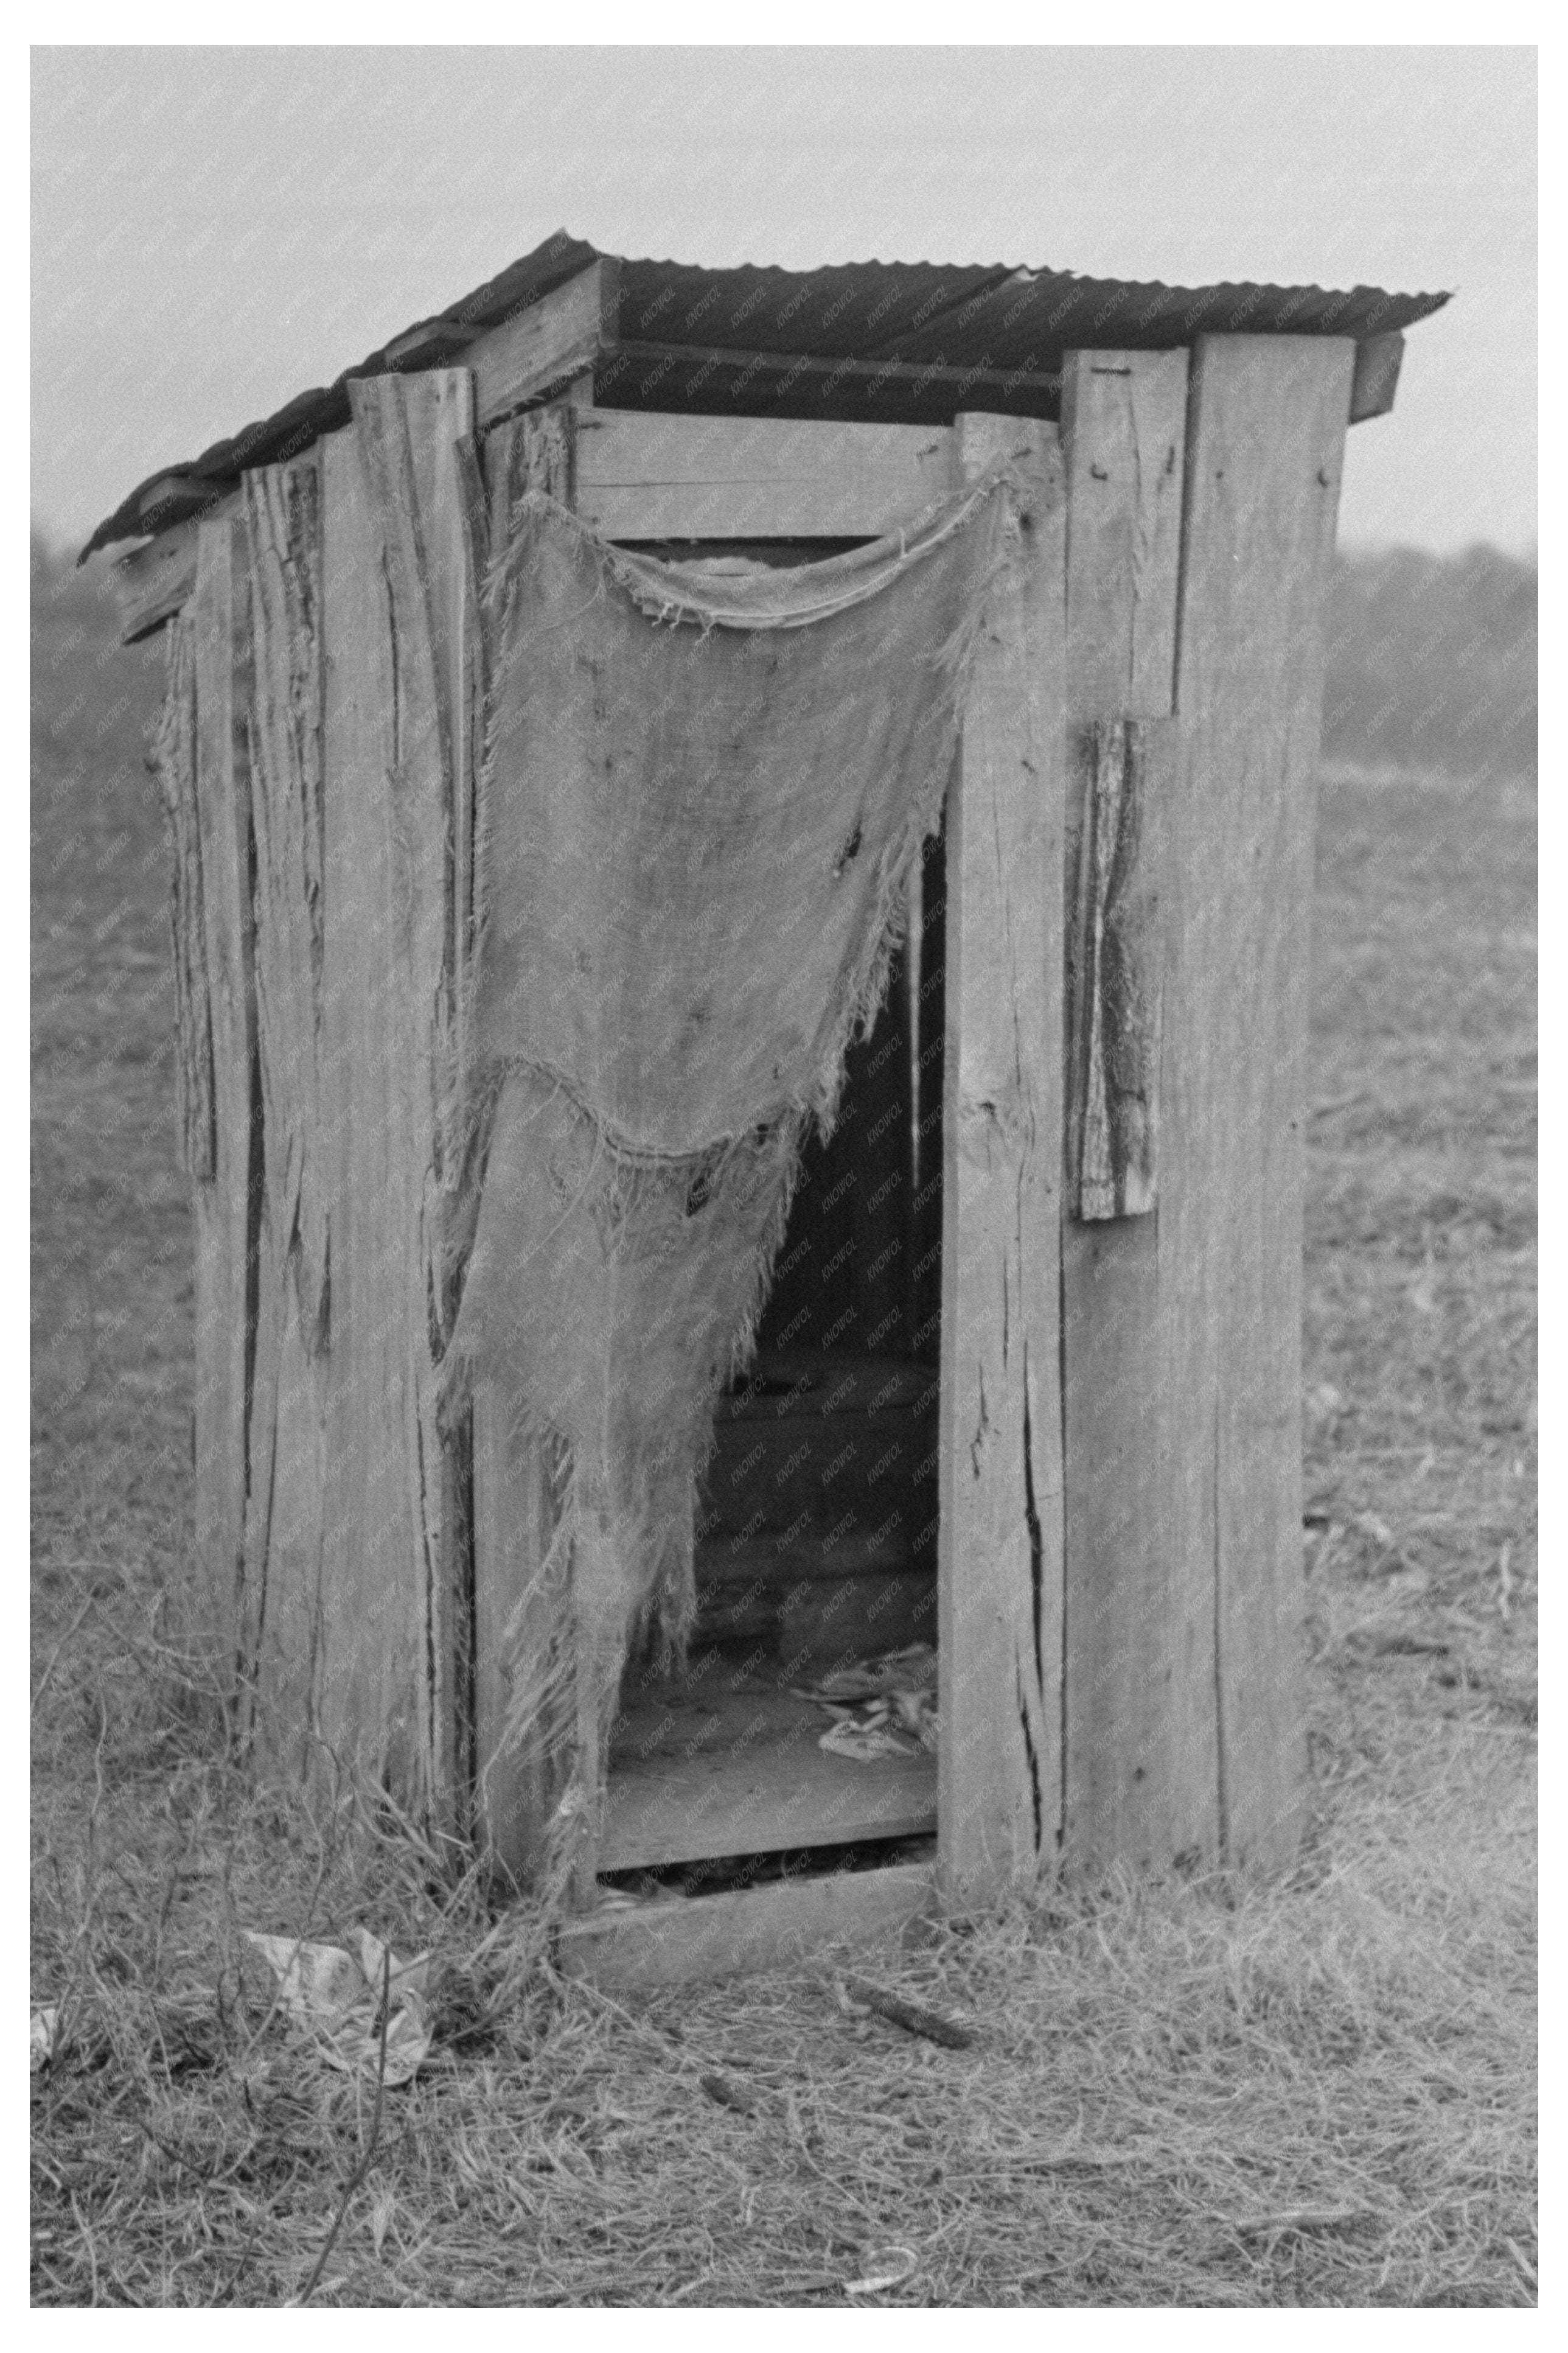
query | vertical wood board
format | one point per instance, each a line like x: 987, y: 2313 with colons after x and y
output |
x: 175, y: 762
x: 372, y: 1605
x: 1266, y: 445
x: 1182, y: 1331
x: 410, y: 432
x: 1138, y: 1741
x: 226, y: 1206
x: 285, y: 1507
x: 1142, y: 1770
x: 1000, y: 1448
x: 395, y: 1623
x: 1123, y: 436
x: 1117, y: 977
x: 524, y: 1625
x: 1376, y: 378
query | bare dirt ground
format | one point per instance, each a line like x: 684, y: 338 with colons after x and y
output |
x: 1318, y: 2090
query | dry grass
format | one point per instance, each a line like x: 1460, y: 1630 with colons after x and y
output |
x: 1313, y: 2092
x: 1318, y: 2090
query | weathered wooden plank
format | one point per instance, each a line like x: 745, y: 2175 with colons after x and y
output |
x: 1137, y: 1702
x: 930, y: 1025
x: 1113, y: 1082
x: 283, y: 524
x: 174, y: 765
x: 651, y: 477
x: 1126, y: 1648
x: 286, y: 1503
x: 180, y: 498
x: 715, y: 1760
x: 1001, y: 1534
x: 713, y: 1936
x: 521, y: 1608
x: 371, y: 1613
x: 1376, y: 378
x: 394, y: 1626
x: 531, y: 452
x: 226, y: 1206
x: 1266, y: 448
x: 154, y: 581
x: 546, y: 345
x: 526, y: 1653
x: 1182, y: 1331
x: 454, y: 539
x: 1123, y: 437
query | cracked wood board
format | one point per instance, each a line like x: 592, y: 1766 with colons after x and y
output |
x: 283, y: 1527
x: 225, y: 1200
x: 1266, y: 424
x: 1122, y: 1799
x: 999, y: 1759
x: 1181, y: 1329
x: 1116, y: 984
x: 390, y: 1632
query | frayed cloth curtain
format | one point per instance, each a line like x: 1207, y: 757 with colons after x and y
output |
x: 702, y: 796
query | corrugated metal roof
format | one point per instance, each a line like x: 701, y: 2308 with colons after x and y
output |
x: 993, y: 318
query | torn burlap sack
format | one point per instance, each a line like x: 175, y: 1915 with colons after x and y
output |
x: 702, y: 795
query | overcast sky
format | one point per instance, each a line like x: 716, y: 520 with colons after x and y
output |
x: 216, y: 229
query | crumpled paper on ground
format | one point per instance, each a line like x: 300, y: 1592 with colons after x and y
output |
x: 338, y: 1998
x: 884, y: 1707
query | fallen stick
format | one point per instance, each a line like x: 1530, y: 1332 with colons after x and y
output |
x: 909, y: 2015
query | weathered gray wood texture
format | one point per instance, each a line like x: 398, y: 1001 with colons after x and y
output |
x: 524, y: 1625
x: 225, y: 1197
x: 1123, y: 435
x: 397, y: 722
x: 1115, y: 975
x: 1000, y: 1606
x: 548, y: 345
x: 174, y: 765
x: 1182, y: 1329
x: 655, y: 477
x: 280, y: 533
x: 156, y: 581
x: 1376, y: 377
x: 327, y: 1512
x: 754, y: 1929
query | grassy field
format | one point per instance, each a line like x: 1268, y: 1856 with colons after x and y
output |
x: 1318, y: 2090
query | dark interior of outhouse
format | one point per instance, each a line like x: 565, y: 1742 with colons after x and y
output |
x: 817, y: 1558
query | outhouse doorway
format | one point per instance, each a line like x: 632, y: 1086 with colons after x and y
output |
x: 800, y: 1733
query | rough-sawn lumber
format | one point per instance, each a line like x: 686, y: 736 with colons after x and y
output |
x: 1000, y: 1589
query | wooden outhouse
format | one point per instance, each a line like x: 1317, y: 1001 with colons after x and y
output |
x: 782, y: 1070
